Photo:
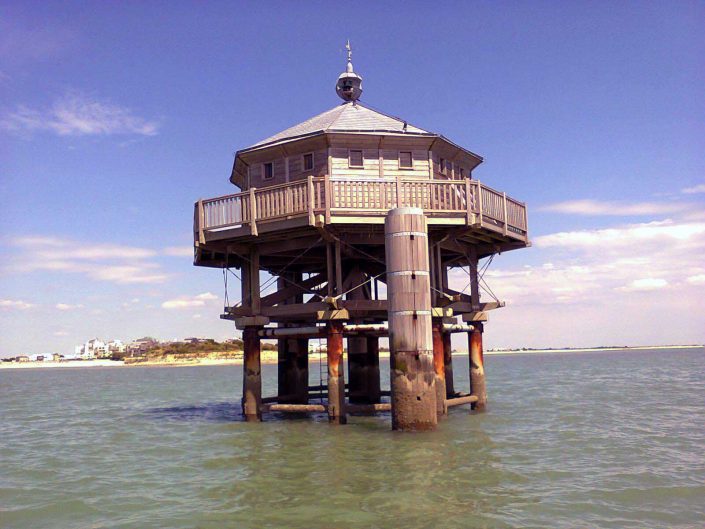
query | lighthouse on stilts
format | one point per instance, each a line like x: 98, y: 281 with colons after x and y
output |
x: 358, y: 216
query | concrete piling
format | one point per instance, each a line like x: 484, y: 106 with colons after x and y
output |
x: 412, y: 372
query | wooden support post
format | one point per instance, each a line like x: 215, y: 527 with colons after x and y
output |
x: 330, y: 269
x: 252, y: 375
x: 474, y: 279
x: 292, y: 353
x: 357, y: 360
x: 374, y: 389
x: 363, y: 351
x: 448, y: 363
x: 336, y: 373
x: 409, y: 314
x: 254, y: 280
x: 338, y: 270
x: 292, y: 370
x: 439, y: 368
x: 477, y: 367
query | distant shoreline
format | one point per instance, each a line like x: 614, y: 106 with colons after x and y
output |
x: 270, y: 357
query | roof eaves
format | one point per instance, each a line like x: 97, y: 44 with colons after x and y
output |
x: 279, y: 141
x: 461, y: 148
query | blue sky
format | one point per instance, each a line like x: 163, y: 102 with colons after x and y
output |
x: 115, y: 117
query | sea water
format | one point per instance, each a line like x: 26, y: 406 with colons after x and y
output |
x: 612, y: 439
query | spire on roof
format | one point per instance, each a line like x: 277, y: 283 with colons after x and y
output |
x: 349, y: 85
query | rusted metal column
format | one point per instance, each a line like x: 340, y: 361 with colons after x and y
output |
x: 410, y: 337
x: 477, y: 367
x: 293, y: 371
x: 439, y: 367
x: 252, y: 375
x: 448, y: 363
x: 336, y: 373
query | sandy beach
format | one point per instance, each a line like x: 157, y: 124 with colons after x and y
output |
x: 270, y: 357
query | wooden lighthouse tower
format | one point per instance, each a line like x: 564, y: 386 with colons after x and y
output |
x: 359, y: 216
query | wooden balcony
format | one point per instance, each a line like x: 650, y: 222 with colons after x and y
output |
x: 318, y: 201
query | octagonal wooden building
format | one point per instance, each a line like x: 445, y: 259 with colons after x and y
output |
x: 359, y: 216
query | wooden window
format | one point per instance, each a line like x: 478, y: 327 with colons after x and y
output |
x: 355, y: 159
x: 462, y: 173
x: 268, y: 170
x: 442, y: 166
x: 308, y: 162
x: 405, y: 160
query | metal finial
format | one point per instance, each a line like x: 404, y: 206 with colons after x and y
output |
x: 347, y: 47
x: 349, y: 85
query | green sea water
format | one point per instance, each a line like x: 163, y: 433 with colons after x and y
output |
x: 571, y: 440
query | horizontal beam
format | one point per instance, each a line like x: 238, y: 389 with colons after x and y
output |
x: 295, y: 408
x: 461, y: 400
x: 368, y: 408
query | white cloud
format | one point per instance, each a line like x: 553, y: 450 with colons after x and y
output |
x: 179, y: 251
x: 66, y: 306
x: 61, y: 333
x: 590, y: 267
x: 14, y: 304
x: 127, y: 275
x: 78, y: 115
x: 699, y: 188
x: 595, y: 207
x: 646, y: 284
x: 98, y: 261
x: 631, y: 235
x: 185, y: 302
x: 698, y: 279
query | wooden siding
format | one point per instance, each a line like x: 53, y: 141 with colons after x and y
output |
x: 341, y: 167
x: 392, y: 169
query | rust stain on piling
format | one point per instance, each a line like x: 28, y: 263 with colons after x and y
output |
x: 439, y: 368
x: 336, y: 378
x: 477, y: 368
x: 252, y: 375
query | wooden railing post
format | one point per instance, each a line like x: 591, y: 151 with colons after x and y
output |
x: 200, y: 222
x: 506, y: 221
x: 399, y: 202
x: 468, y: 203
x: 253, y: 211
x: 311, y: 199
x: 479, y: 201
x: 327, y: 189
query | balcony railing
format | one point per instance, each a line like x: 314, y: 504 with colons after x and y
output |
x: 341, y: 197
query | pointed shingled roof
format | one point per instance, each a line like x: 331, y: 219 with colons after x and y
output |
x: 348, y: 117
